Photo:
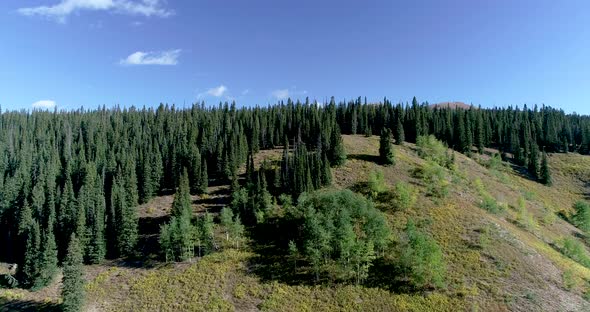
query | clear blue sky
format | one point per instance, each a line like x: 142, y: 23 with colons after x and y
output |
x: 142, y: 52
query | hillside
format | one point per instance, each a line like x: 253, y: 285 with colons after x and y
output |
x: 499, y: 261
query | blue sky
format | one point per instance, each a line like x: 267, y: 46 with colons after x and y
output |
x: 142, y: 52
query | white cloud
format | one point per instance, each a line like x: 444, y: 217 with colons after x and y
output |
x: 169, y: 57
x: 245, y: 91
x: 63, y: 9
x: 280, y: 94
x: 217, y: 91
x: 44, y: 104
x: 293, y: 92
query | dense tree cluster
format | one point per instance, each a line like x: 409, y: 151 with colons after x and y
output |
x: 340, y: 229
x: 85, y: 172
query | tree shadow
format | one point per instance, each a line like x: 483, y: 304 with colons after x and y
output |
x: 520, y: 170
x: 365, y: 157
x: 269, y: 244
x: 213, y: 204
x: 580, y: 236
x: 388, y: 275
x: 147, y: 252
x: 28, y: 306
x: 271, y: 262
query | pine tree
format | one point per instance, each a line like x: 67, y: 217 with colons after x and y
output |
x: 479, y: 133
x: 337, y: 153
x: 130, y: 184
x: 178, y: 236
x: 147, y: 189
x: 354, y: 122
x: 237, y: 231
x: 463, y: 142
x: 205, y: 234
x: 326, y: 174
x: 91, y: 201
x: 400, y: 136
x: 545, y: 174
x: 204, y: 180
x: 182, y: 199
x: 47, y: 261
x: 195, y: 170
x: 226, y: 218
x: 534, y: 161
x: 73, y: 278
x: 30, y: 269
x: 386, y: 149
x: 126, y: 220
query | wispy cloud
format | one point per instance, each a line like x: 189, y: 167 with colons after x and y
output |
x: 280, y: 94
x: 64, y: 8
x: 246, y: 91
x: 44, y: 104
x: 169, y: 57
x: 217, y: 91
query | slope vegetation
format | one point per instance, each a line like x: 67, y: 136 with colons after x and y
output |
x: 501, y: 235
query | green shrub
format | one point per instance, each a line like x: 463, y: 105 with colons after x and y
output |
x: 568, y: 279
x: 404, y: 196
x: 581, y: 217
x: 491, y: 205
x: 495, y: 162
x: 430, y: 148
x: 549, y: 217
x: 524, y: 218
x: 422, y: 257
x: 376, y: 182
x: 488, y: 202
x: 484, y: 238
x: 435, y: 178
x: 576, y: 251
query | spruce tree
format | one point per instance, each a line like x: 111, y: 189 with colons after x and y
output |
x: 337, y: 152
x: 386, y: 155
x: 178, y: 236
x: 204, y: 180
x: 226, y: 218
x: 126, y: 220
x: 237, y: 231
x: 130, y: 183
x: 47, y: 261
x: 326, y: 174
x: 147, y: 189
x: 204, y: 232
x: 479, y: 133
x: 195, y: 170
x: 73, y: 278
x: 30, y: 269
x: 400, y: 135
x: 545, y: 174
x: 91, y: 201
x: 182, y: 199
x: 534, y: 161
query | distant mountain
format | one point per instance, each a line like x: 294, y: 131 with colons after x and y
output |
x: 451, y: 105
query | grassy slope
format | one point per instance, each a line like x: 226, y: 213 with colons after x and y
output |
x: 494, y: 264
